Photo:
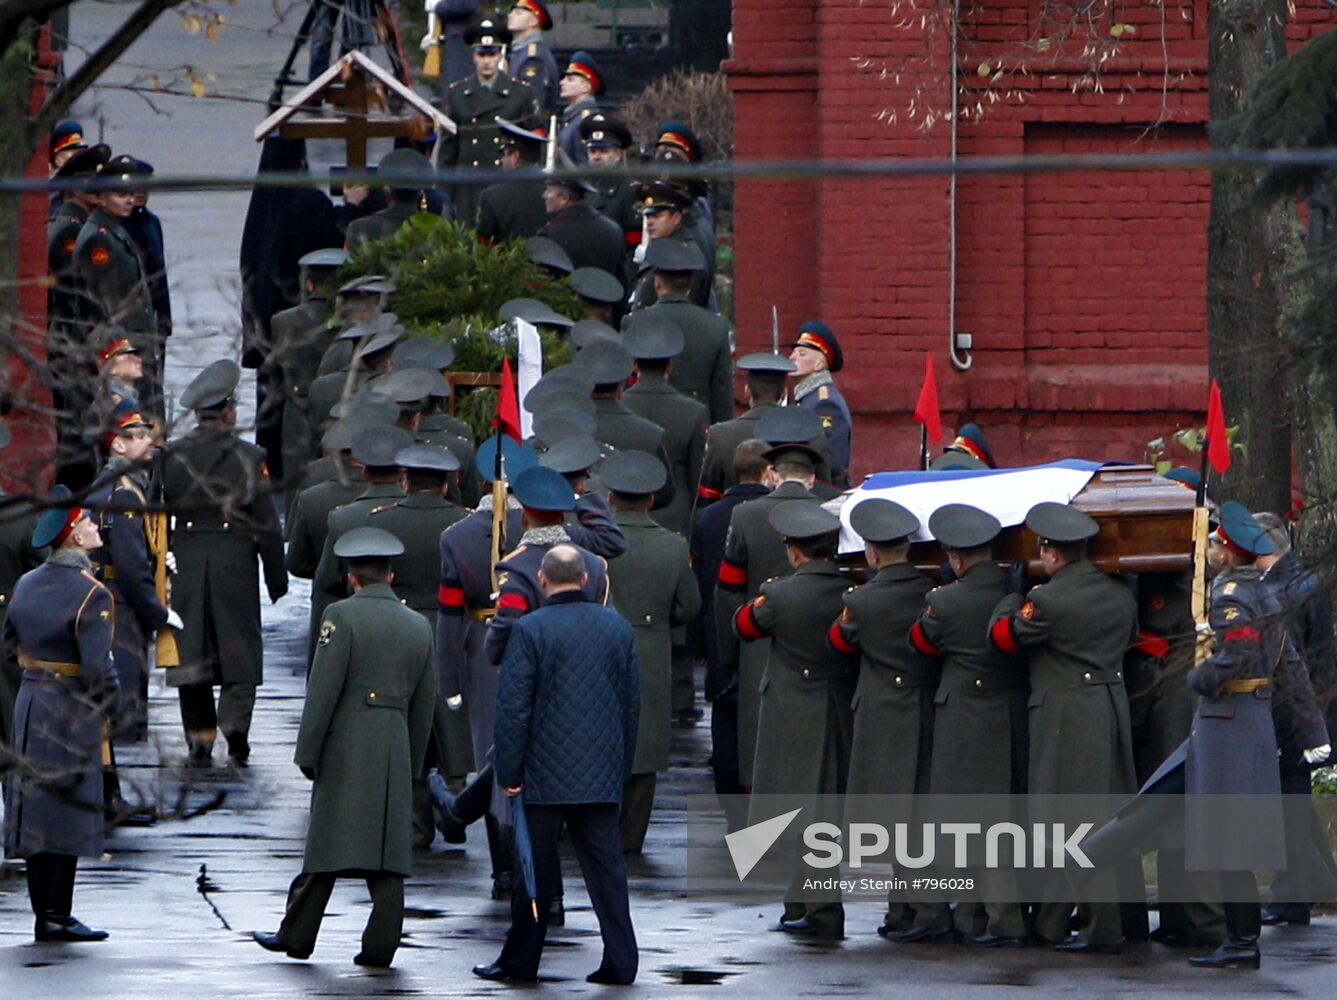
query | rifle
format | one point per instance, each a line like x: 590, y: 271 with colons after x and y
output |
x: 157, y: 527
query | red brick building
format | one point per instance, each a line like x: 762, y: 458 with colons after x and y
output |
x: 1085, y: 293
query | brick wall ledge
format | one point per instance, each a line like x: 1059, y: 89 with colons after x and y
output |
x: 787, y: 73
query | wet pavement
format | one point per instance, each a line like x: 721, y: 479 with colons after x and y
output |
x: 169, y: 940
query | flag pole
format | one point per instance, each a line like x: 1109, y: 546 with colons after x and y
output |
x: 923, y: 447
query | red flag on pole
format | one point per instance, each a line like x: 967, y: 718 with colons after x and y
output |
x: 507, y: 420
x: 1218, y: 441
x: 926, y: 410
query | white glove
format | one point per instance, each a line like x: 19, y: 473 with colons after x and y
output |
x: 427, y: 40
x: 1204, y: 628
x: 430, y: 6
x: 171, y: 563
x: 174, y: 620
x: 1317, y: 755
x: 454, y: 702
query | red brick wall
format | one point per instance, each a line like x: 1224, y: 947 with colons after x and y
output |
x: 1085, y: 292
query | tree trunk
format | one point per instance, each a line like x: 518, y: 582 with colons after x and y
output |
x: 1246, y: 38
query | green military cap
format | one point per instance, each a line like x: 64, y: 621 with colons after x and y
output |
x: 571, y: 455
x: 378, y: 447
x: 799, y: 520
x: 534, y: 311
x: 367, y: 543
x: 87, y: 162
x: 547, y: 252
x: 597, y: 285
x: 339, y: 435
x: 405, y: 169
x: 1060, y: 523
x: 655, y: 339
x: 587, y: 331
x: 371, y: 327
x: 423, y: 352
x: 787, y: 424
x: 607, y: 363
x: 561, y: 390
x: 554, y: 425
x: 369, y: 284
x: 428, y: 458
x: 633, y: 473
x: 765, y: 362
x: 516, y: 135
x: 326, y: 257
x: 368, y: 405
x: 407, y: 386
x: 378, y: 342
x: 672, y: 255
x: 960, y: 526
x: 796, y: 452
x: 881, y: 521
x: 212, y: 387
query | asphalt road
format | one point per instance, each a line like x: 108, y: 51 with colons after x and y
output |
x: 171, y: 941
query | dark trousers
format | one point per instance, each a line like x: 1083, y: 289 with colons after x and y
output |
x: 682, y: 695
x: 309, y: 894
x: 1310, y: 866
x: 269, y: 420
x: 129, y: 653
x: 724, y: 760
x: 1243, y: 915
x: 202, y: 719
x: 595, y: 836
x: 51, y: 884
x: 474, y: 803
x: 638, y: 801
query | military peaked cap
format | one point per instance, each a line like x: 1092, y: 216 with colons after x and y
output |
x: 960, y: 526
x: 212, y: 387
x: 881, y: 521
x: 368, y: 543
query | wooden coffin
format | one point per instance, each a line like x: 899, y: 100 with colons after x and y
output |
x: 1146, y: 526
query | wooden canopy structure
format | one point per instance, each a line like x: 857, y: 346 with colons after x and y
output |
x: 363, y: 94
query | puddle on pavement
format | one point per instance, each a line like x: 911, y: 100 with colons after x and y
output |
x: 423, y: 913
x: 695, y: 977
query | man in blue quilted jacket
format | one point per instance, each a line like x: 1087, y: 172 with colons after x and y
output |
x: 568, y: 702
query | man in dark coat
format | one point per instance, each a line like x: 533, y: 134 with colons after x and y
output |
x: 606, y: 143
x: 145, y: 228
x: 763, y: 388
x: 363, y: 738
x: 892, y: 740
x: 217, y: 489
x: 589, y: 238
x: 656, y: 594
x: 980, y: 703
x: 475, y: 104
x: 511, y: 210
x: 753, y: 554
x: 704, y: 370
x: 412, y: 172
x: 664, y: 206
x: 806, y: 693
x: 1080, y: 741
x: 817, y: 354
x: 59, y: 630
x: 567, y: 705
x: 707, y: 552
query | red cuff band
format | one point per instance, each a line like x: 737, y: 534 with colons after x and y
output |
x: 511, y: 601
x: 708, y: 493
x: 920, y: 641
x: 836, y: 637
x: 1153, y: 645
x: 634, y: 238
x: 450, y: 598
x: 1245, y: 633
x: 1003, y: 635
x: 746, y: 622
x: 732, y: 576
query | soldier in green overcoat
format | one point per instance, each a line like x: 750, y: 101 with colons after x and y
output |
x: 805, y: 719
x: 1074, y: 631
x: 363, y: 738
x: 893, y: 703
x: 656, y: 593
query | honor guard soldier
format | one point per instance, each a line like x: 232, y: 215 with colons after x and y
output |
x: 120, y: 367
x: 817, y: 355
x: 753, y: 554
x: 763, y: 388
x: 67, y: 138
x: 704, y: 370
x: 968, y: 450
x: 807, y: 690
x: 411, y: 173
x: 980, y: 704
x: 1073, y: 631
x: 581, y: 85
x: 664, y: 207
x: 606, y: 143
x: 655, y: 346
x: 589, y: 238
x: 656, y: 594
x: 530, y: 60
x: 115, y: 277
x: 59, y: 630
x: 510, y: 209
x: 301, y: 336
x: 892, y: 742
x: 365, y: 727
x: 17, y: 556
x: 218, y: 491
x: 476, y: 104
